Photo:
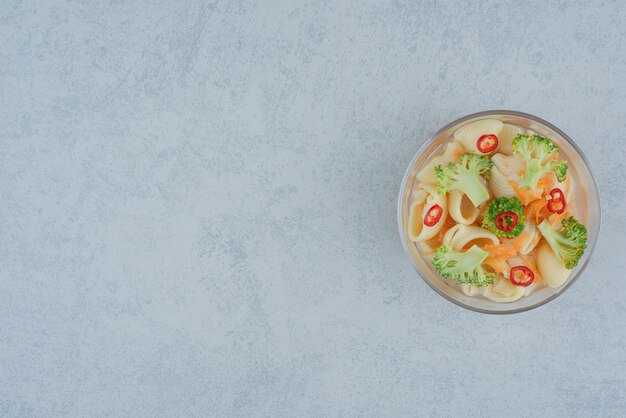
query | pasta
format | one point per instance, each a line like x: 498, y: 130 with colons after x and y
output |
x: 500, y: 244
x: 425, y: 248
x: 415, y: 214
x: 505, y: 169
x: 505, y: 139
x: 470, y: 289
x: 530, y: 288
x: 565, y: 186
x: 427, y: 174
x: 503, y: 291
x: 464, y: 237
x: 528, y: 240
x: 426, y: 199
x: 470, y: 133
x: 461, y: 209
x: 509, y: 165
x: 550, y: 267
x: 499, y: 184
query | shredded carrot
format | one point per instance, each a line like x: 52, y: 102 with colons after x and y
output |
x: 496, y: 250
x: 497, y: 263
x: 531, y: 209
x: 508, y: 249
x: 525, y: 195
x: 544, y: 182
x: 537, y: 210
x: 542, y: 214
x: 518, y: 242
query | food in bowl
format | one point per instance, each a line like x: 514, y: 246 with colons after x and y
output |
x: 493, y: 211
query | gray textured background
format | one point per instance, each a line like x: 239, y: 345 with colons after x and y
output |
x: 197, y: 208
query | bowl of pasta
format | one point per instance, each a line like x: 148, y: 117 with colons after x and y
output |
x: 499, y: 212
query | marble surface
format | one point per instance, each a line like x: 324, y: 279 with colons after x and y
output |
x: 197, y: 208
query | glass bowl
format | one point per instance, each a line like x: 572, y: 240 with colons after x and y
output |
x: 587, y: 200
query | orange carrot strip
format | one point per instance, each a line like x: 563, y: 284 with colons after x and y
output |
x: 542, y: 214
x: 497, y: 263
x: 533, y: 208
x: 546, y: 181
x: 500, y: 249
x: 525, y: 195
x: 519, y: 240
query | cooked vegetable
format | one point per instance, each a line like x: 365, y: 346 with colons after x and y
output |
x: 498, y: 263
x: 505, y: 217
x: 536, y: 209
x: 433, y: 215
x: 498, y: 250
x: 537, y: 151
x: 487, y: 143
x: 521, y: 276
x: 568, y: 244
x: 463, y: 267
x: 526, y: 196
x: 557, y: 203
x: 465, y: 176
x: 506, y: 221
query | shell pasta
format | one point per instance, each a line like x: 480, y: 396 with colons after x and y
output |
x: 504, y: 173
x: 429, y: 198
x: 461, y: 209
x: 550, y: 267
x: 427, y: 174
x: 499, y: 184
x: 506, y: 138
x: 464, y: 236
x: 494, y: 212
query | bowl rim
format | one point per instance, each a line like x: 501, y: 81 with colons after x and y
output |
x: 428, y: 142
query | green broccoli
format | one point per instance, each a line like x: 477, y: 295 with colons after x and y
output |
x: 535, y: 150
x: 505, y: 217
x: 465, y: 176
x: 463, y: 267
x: 568, y: 244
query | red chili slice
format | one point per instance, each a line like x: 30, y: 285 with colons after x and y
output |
x: 487, y: 143
x: 506, y: 221
x: 557, y: 203
x: 433, y: 215
x: 521, y: 276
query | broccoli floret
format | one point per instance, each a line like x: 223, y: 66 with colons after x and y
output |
x: 463, y: 267
x: 568, y: 244
x: 465, y: 176
x: 535, y: 150
x: 499, y: 206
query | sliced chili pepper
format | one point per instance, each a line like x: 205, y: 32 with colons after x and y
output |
x: 433, y: 215
x: 521, y: 276
x: 506, y: 221
x: 557, y: 203
x: 487, y: 143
